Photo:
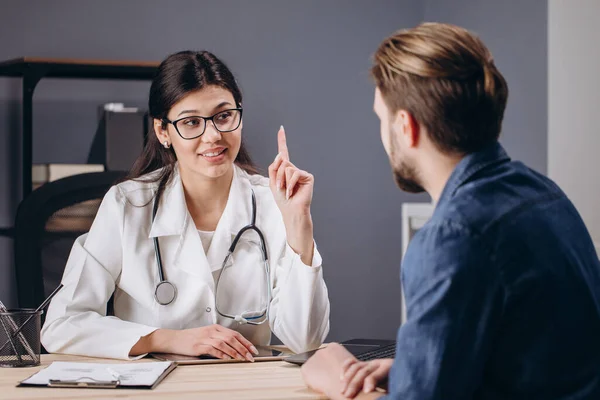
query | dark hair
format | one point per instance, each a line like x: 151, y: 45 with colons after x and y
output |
x: 177, y: 76
x: 446, y: 78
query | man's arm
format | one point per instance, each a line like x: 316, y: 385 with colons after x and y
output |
x: 454, y: 301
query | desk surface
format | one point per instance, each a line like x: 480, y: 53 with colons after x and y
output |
x: 262, y: 380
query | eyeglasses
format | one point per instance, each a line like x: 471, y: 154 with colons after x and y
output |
x: 192, y: 127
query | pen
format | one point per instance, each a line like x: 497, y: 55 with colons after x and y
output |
x: 17, y: 353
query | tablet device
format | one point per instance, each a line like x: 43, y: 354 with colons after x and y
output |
x: 265, y: 353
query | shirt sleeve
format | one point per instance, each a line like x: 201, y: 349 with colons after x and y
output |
x: 454, y: 298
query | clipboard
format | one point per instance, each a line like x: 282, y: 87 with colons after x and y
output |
x: 80, y: 383
x: 90, y: 382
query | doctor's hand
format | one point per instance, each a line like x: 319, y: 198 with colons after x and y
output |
x: 293, y: 191
x: 214, y: 340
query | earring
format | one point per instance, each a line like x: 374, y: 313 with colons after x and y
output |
x: 166, y: 144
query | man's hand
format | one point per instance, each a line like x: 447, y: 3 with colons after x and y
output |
x: 323, y: 372
x: 361, y: 375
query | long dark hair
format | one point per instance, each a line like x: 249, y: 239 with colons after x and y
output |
x: 177, y: 76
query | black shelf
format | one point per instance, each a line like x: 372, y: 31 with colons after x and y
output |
x: 78, y: 69
x: 32, y: 70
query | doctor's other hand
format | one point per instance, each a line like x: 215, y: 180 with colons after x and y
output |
x: 293, y: 192
x: 214, y: 340
x: 364, y: 375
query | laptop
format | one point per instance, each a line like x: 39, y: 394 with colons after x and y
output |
x: 362, y: 349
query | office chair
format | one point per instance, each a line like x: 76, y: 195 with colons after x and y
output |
x: 47, y: 223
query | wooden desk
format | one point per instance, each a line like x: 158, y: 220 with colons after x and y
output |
x: 263, y: 380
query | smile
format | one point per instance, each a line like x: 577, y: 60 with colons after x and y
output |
x: 213, y: 153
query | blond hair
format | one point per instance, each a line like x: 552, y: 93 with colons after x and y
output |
x: 445, y: 77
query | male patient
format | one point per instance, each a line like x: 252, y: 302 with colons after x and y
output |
x: 502, y: 284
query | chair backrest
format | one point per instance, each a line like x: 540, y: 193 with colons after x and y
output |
x: 47, y: 223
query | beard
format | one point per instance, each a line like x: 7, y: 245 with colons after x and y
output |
x: 405, y: 175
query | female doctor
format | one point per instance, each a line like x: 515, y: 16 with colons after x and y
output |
x: 167, y: 241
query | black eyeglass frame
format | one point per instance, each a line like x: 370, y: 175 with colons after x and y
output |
x: 205, y: 119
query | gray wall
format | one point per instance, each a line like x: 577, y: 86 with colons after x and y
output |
x: 574, y: 95
x: 516, y: 33
x: 301, y: 64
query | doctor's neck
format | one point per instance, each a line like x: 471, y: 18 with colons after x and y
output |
x: 206, y: 197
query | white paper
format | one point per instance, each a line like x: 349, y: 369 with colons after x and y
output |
x: 133, y: 374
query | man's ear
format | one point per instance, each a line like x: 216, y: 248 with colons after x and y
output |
x: 407, y: 128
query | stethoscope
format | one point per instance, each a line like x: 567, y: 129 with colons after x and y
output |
x: 166, y: 292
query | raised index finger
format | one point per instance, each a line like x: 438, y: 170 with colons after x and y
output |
x: 281, y: 141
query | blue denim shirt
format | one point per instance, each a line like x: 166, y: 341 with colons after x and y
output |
x: 502, y: 288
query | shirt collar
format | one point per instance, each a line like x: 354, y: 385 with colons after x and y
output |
x: 172, y: 215
x: 470, y: 165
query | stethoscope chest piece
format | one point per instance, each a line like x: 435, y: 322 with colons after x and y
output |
x: 165, y: 293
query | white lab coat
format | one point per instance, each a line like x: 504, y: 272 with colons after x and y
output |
x: 117, y: 255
